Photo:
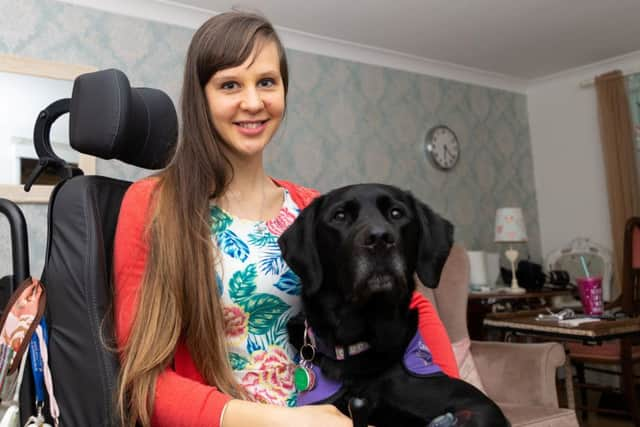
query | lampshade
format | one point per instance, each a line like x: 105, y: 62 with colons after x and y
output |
x: 510, y: 225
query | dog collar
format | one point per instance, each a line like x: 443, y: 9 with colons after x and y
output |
x: 417, y: 360
x: 339, y: 352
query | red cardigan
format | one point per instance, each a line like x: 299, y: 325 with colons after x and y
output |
x: 181, y: 397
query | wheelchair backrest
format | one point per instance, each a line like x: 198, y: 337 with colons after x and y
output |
x: 108, y: 119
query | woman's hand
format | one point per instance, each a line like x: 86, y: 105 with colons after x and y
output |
x: 320, y: 416
x: 240, y: 413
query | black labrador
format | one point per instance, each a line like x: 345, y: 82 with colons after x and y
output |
x: 356, y: 250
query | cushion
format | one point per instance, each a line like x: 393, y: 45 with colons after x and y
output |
x: 466, y: 365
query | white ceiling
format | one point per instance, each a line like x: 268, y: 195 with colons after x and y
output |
x: 524, y: 39
x: 505, y: 44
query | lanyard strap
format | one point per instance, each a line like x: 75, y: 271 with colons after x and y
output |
x: 37, y: 368
x: 39, y: 358
x: 45, y: 331
x: 48, y: 381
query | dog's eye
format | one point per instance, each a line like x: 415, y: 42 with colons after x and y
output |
x: 396, y: 213
x: 339, y: 215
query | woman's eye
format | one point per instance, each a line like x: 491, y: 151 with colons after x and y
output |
x: 339, y: 216
x: 229, y: 85
x: 266, y: 83
x: 396, y: 213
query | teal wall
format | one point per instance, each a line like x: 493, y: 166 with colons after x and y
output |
x: 346, y: 122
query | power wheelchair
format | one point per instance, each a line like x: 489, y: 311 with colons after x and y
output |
x: 110, y: 120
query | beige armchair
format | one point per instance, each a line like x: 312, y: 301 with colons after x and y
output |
x: 520, y: 378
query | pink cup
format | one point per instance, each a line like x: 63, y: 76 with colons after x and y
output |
x: 591, y: 295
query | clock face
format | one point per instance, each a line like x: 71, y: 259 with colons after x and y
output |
x: 443, y: 147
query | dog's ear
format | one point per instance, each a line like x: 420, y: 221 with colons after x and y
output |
x: 299, y: 248
x: 435, y: 237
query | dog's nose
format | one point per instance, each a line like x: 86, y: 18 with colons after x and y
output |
x: 379, y: 237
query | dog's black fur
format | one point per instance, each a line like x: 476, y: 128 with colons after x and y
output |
x: 356, y: 250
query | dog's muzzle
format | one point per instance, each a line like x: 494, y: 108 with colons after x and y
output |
x: 378, y: 275
x: 377, y: 266
x: 380, y: 283
x: 377, y: 239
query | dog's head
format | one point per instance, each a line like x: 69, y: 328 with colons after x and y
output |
x: 366, y: 240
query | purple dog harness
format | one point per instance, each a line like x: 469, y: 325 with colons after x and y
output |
x: 417, y: 360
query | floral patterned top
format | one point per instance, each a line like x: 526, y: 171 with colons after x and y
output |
x: 259, y: 295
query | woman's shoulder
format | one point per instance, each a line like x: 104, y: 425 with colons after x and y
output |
x: 136, y: 201
x: 139, y: 193
x: 301, y: 195
x: 143, y: 187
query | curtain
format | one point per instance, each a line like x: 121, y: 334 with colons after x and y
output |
x: 617, y: 139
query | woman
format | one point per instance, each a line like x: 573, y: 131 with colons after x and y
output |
x: 202, y: 294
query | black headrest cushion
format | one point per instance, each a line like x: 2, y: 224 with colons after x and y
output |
x: 111, y: 120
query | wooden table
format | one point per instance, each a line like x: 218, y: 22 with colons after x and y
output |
x: 593, y: 333
x: 481, y: 304
x: 589, y: 333
x: 505, y: 295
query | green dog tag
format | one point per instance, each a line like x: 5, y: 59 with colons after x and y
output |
x: 304, y: 378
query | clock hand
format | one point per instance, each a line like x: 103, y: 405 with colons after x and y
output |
x: 446, y: 151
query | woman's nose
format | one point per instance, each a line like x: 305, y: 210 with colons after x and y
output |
x: 251, y: 101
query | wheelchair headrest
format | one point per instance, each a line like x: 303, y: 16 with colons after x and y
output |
x: 111, y: 120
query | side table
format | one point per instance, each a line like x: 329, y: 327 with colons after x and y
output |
x: 480, y: 304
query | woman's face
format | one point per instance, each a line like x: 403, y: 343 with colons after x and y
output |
x: 247, y: 102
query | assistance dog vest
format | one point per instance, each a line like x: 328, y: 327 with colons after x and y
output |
x: 417, y: 360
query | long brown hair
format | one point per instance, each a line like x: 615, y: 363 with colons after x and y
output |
x: 179, y: 300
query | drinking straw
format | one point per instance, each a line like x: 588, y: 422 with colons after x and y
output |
x: 584, y: 267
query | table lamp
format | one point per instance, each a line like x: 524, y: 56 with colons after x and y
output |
x: 510, y: 228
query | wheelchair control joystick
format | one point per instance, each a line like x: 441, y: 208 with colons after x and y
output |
x: 358, y: 411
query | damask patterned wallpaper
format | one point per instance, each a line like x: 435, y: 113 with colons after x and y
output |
x: 346, y: 122
x: 633, y: 90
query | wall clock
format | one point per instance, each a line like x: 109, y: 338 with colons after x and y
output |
x: 442, y: 147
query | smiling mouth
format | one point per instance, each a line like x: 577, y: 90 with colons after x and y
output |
x: 251, y: 124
